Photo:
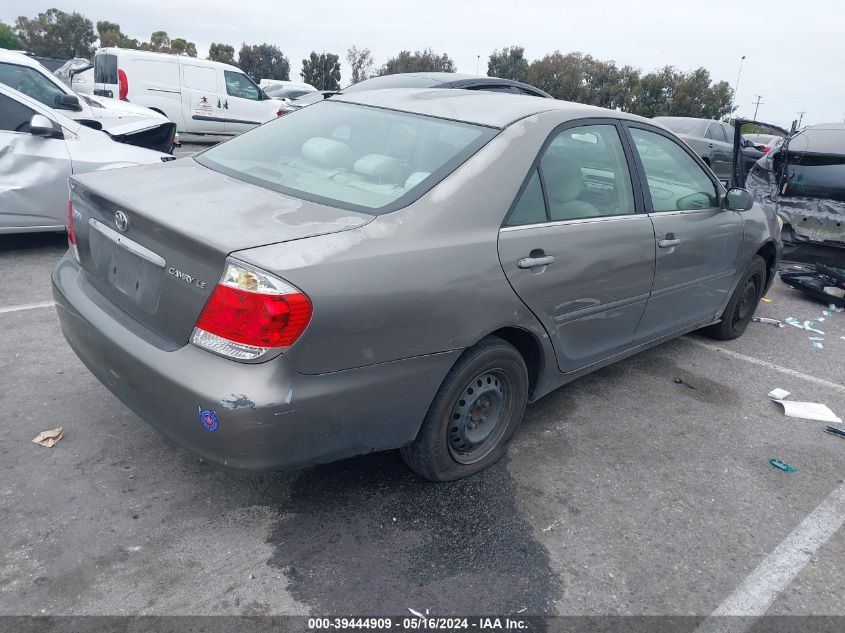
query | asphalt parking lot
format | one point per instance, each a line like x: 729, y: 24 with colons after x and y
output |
x: 642, y: 489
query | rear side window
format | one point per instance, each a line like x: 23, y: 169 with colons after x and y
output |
x: 105, y: 69
x: 530, y: 208
x: 14, y: 116
x: 584, y: 175
x: 199, y: 78
x: 675, y: 181
x: 348, y: 155
x: 30, y: 82
x: 715, y: 132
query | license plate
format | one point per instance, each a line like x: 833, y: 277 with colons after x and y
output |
x: 127, y: 266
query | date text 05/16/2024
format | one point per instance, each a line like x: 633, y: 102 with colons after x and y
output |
x: 419, y: 623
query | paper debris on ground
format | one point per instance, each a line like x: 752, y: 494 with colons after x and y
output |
x: 767, y: 320
x: 818, y: 345
x: 808, y: 411
x: 49, y: 438
x: 778, y: 394
x: 808, y: 325
x: 795, y: 322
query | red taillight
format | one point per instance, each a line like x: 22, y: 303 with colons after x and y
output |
x: 767, y: 149
x: 123, y: 84
x: 249, y: 312
x: 71, y: 234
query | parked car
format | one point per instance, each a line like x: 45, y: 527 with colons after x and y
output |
x: 764, y: 142
x: 201, y: 96
x: 125, y: 122
x: 426, y: 80
x: 712, y: 140
x: 285, y: 90
x: 802, y: 180
x: 39, y: 149
x: 399, y: 268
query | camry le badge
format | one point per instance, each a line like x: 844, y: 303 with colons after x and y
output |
x: 121, y: 221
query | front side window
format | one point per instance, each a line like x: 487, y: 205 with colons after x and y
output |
x: 349, y: 155
x: 675, y: 181
x: 30, y: 82
x: 14, y: 116
x: 239, y: 85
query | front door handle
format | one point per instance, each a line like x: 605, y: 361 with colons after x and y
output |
x: 669, y: 243
x: 535, y: 262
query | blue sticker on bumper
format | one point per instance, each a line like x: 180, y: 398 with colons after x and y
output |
x: 208, y: 419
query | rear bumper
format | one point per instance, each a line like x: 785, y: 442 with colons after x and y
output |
x: 269, y: 417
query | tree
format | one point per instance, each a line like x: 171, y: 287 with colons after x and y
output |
x: 180, y: 46
x: 361, y: 62
x: 55, y: 33
x: 322, y: 71
x: 508, y: 63
x: 418, y: 61
x: 221, y: 53
x: 7, y: 38
x: 159, y: 41
x: 264, y: 61
x: 111, y: 35
x: 558, y: 74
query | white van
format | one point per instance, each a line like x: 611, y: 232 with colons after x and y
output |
x: 201, y: 96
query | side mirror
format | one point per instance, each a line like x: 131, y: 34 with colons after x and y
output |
x: 40, y: 125
x: 68, y: 102
x: 738, y: 199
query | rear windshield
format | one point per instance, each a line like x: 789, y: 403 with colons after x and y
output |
x: 680, y: 126
x: 105, y: 69
x: 351, y: 156
x: 814, y: 176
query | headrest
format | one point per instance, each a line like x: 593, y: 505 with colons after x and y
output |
x: 563, y: 178
x: 378, y: 166
x: 328, y: 152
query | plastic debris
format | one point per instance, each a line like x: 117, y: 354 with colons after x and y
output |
x: 795, y: 322
x: 816, y: 338
x: 774, y: 322
x: 766, y: 300
x: 681, y: 381
x: 835, y: 308
x: 49, y: 438
x: 835, y: 431
x: 817, y: 345
x: 782, y: 465
x: 827, y: 313
x: 779, y: 394
x: 808, y: 326
x: 808, y: 410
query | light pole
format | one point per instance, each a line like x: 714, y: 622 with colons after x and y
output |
x: 477, y: 63
x: 736, y: 85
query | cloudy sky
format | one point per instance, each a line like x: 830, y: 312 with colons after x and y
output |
x: 794, y: 52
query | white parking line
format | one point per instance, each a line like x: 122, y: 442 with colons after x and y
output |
x: 764, y: 363
x: 760, y: 589
x: 27, y: 306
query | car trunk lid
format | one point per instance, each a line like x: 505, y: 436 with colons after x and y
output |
x: 154, y: 239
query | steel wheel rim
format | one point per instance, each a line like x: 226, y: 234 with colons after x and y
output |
x: 476, y: 420
x: 748, y: 299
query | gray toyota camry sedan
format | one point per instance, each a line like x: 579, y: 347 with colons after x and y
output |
x: 399, y: 269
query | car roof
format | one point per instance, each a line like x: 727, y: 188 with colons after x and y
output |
x: 193, y: 61
x: 18, y: 57
x: 439, y: 79
x: 491, y: 109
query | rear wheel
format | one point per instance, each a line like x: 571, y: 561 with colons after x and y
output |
x: 743, y: 303
x: 474, y: 413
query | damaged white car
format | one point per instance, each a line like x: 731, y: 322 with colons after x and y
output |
x: 124, y: 122
x: 39, y: 149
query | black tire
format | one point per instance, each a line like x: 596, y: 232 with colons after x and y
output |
x: 743, y: 303
x: 473, y: 415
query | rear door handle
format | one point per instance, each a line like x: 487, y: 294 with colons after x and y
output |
x: 535, y: 262
x: 668, y: 243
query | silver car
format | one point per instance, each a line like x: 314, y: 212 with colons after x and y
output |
x: 712, y: 140
x: 399, y: 269
x: 39, y: 149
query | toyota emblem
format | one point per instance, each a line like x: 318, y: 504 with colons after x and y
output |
x: 121, y: 221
